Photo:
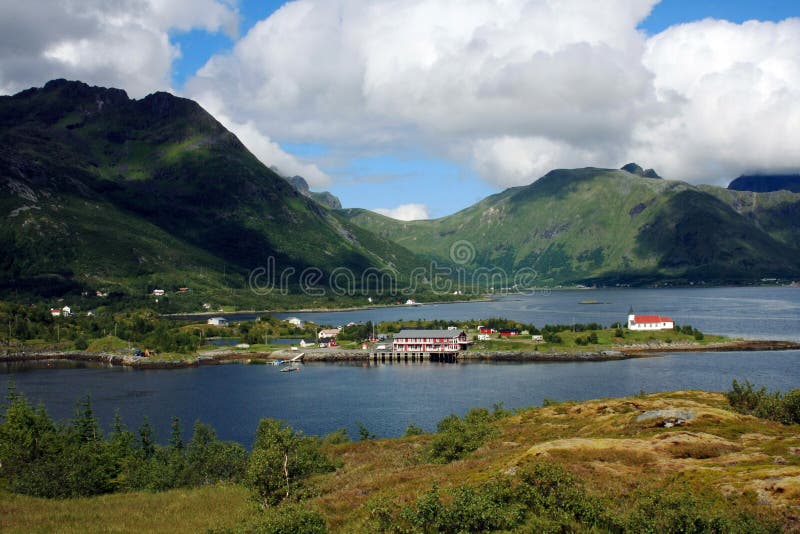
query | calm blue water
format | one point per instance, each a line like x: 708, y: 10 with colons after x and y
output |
x: 324, y: 397
x: 755, y: 312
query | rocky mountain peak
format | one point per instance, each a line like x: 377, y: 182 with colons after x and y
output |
x: 634, y: 168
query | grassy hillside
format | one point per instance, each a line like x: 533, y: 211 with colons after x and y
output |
x: 601, y: 225
x: 600, y: 466
x: 776, y: 212
x: 98, y: 189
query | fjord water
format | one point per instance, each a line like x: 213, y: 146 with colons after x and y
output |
x: 752, y: 312
x: 386, y: 397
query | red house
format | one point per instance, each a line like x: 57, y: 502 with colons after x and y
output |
x: 430, y: 341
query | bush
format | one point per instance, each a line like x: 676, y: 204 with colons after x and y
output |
x: 289, y: 519
x: 281, y: 460
x: 455, y: 437
x: 337, y: 437
x: 744, y: 398
x: 545, y: 497
x: 42, y: 458
x: 413, y: 430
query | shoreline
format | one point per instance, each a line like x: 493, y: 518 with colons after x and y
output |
x: 221, y: 357
x: 190, y: 315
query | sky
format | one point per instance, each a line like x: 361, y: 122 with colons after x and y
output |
x: 419, y: 108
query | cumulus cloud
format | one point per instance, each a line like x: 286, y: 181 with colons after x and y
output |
x: 734, y: 95
x: 517, y: 87
x: 123, y: 44
x: 378, y: 74
x: 264, y: 148
x: 406, y: 212
x: 511, y: 88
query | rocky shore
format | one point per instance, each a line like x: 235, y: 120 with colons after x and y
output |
x: 222, y: 356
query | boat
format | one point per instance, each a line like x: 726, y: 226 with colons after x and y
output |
x: 296, y: 359
x: 277, y: 362
x: 289, y: 369
x: 590, y: 302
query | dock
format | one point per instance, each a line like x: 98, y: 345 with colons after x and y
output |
x: 418, y: 356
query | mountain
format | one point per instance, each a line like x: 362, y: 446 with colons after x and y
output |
x: 99, y: 190
x: 766, y: 183
x: 775, y: 212
x: 603, y: 226
x: 634, y: 168
x: 325, y: 198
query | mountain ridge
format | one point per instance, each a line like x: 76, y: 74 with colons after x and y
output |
x: 605, y: 226
x: 167, y: 172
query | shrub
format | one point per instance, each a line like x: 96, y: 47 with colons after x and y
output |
x: 281, y: 460
x: 337, y: 437
x: 289, y: 519
x: 744, y: 398
x: 456, y: 437
x: 413, y: 430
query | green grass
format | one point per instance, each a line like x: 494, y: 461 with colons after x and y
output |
x: 607, y: 340
x: 107, y: 344
x: 190, y: 511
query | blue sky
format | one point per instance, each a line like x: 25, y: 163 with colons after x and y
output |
x: 388, y: 178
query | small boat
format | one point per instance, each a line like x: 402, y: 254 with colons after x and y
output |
x: 590, y: 302
x: 289, y: 369
x: 296, y: 359
x: 277, y: 362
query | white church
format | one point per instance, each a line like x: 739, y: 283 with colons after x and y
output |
x: 649, y: 322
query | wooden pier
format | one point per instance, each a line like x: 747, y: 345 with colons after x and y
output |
x: 390, y: 356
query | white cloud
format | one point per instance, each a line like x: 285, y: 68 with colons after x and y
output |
x: 265, y: 149
x: 271, y: 154
x: 444, y: 74
x: 509, y: 161
x: 511, y: 88
x: 517, y: 87
x: 122, y: 44
x: 406, y: 212
x: 734, y: 95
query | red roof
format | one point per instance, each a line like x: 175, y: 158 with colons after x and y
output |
x: 644, y: 319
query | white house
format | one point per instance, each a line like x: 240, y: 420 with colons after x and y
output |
x: 294, y: 321
x: 66, y: 311
x: 55, y: 312
x: 218, y: 321
x: 650, y: 322
x: 327, y: 333
x: 158, y: 292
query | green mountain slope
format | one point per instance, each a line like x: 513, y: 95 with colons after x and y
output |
x: 775, y: 212
x: 99, y: 189
x: 599, y: 225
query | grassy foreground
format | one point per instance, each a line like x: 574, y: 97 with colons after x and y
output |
x: 728, y: 462
x: 171, y: 511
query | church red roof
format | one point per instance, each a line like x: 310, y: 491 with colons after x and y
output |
x: 645, y: 319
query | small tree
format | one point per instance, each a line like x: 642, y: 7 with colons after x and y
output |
x: 413, y: 430
x: 363, y: 432
x: 280, y: 460
x: 147, y: 440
